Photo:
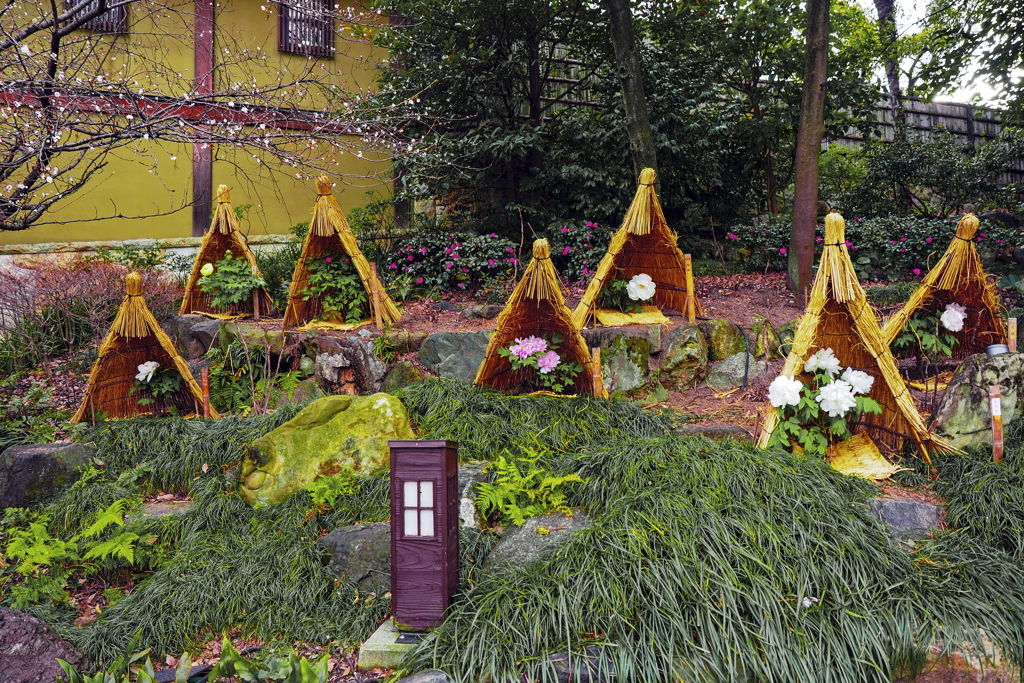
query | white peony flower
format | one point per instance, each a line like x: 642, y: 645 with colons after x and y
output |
x: 640, y: 287
x: 859, y: 380
x: 784, y: 391
x: 207, y: 269
x: 836, y: 398
x: 146, y: 371
x: 953, y: 317
x: 823, y: 359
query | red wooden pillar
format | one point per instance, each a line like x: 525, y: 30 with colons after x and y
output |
x: 202, y: 151
x: 424, y: 531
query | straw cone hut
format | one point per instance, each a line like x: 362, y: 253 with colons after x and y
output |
x: 643, y: 244
x: 329, y: 233
x: 135, y: 338
x: 222, y: 236
x: 839, y: 317
x: 959, y: 278
x: 536, y: 308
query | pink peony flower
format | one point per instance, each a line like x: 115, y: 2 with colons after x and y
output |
x: 548, y: 362
x: 782, y: 250
x: 524, y: 348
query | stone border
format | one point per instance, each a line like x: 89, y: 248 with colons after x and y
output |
x: 168, y: 243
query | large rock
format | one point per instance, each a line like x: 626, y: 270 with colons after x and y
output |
x: 31, y: 474
x: 625, y: 364
x: 907, y: 519
x: 206, y: 332
x: 962, y: 414
x: 724, y: 339
x: 482, y: 312
x: 522, y: 546
x: 326, y: 437
x: 361, y: 553
x: 307, y: 390
x: 273, y: 340
x: 179, y: 329
x: 470, y: 475
x: 358, y: 356
x: 456, y: 355
x: 401, y: 375
x: 404, y: 341
x: 765, y: 339
x: 684, y: 362
x: 428, y: 676
x: 29, y: 650
x: 730, y: 372
x: 605, y: 336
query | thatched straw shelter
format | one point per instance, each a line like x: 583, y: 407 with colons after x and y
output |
x: 222, y: 236
x: 329, y: 233
x: 839, y: 317
x: 536, y: 308
x: 643, y: 244
x: 958, y: 278
x: 135, y: 338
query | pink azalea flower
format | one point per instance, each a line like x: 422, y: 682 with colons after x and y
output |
x: 565, y: 230
x: 903, y: 239
x: 565, y: 251
x: 423, y: 250
x: 916, y: 271
x: 410, y: 257
x: 928, y: 240
x: 465, y: 270
x: 585, y: 271
x: 849, y: 244
x: 393, y: 265
x: 513, y: 261
x: 490, y: 262
x: 328, y: 259
x: 419, y: 281
x: 511, y: 250
x: 733, y: 237
x: 448, y: 266
x: 447, y: 250
x: 782, y: 251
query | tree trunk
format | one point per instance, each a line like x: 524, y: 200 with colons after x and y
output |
x: 808, y: 147
x: 887, y: 32
x: 638, y: 126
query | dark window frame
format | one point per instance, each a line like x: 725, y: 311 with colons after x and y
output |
x: 113, y: 21
x: 316, y: 34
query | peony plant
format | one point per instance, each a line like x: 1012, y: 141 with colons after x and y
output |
x: 627, y: 296
x: 156, y: 382
x: 230, y: 282
x: 552, y: 371
x: 928, y: 335
x: 817, y: 413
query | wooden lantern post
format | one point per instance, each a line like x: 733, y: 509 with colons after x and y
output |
x: 424, y: 531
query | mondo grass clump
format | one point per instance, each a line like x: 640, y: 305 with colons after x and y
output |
x: 707, y: 561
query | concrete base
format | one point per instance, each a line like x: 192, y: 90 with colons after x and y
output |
x: 380, y: 651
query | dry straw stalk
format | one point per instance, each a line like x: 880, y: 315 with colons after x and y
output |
x: 536, y: 308
x: 329, y: 232
x: 222, y: 236
x: 135, y: 338
x: 958, y: 277
x: 643, y: 244
x: 838, y: 317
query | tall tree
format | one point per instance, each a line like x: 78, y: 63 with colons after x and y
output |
x: 808, y: 147
x: 638, y: 125
x: 886, y: 10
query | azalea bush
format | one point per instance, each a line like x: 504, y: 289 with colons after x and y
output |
x: 229, y: 282
x: 627, y: 296
x: 450, y: 261
x: 577, y: 249
x: 816, y: 414
x: 552, y: 372
x: 889, y: 248
x: 334, y: 281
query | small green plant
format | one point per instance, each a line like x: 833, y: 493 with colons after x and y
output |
x: 551, y: 371
x: 159, y: 384
x: 46, y: 562
x: 522, y: 489
x: 230, y: 282
x: 333, y: 279
x: 384, y: 347
x: 816, y: 414
x: 325, y: 490
x: 32, y: 418
x: 290, y: 669
x: 134, y: 258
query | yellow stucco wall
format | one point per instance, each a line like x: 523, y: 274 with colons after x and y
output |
x: 156, y: 178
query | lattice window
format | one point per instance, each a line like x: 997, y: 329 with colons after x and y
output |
x: 418, y: 508
x: 306, y: 27
x: 113, y: 20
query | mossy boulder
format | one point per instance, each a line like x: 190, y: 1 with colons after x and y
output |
x: 962, y: 414
x: 456, y: 355
x: 786, y: 333
x: 326, y: 437
x: 684, y: 362
x: 32, y: 473
x: 765, y: 339
x: 401, y: 375
x: 626, y: 363
x: 730, y: 373
x: 724, y: 339
x: 253, y: 335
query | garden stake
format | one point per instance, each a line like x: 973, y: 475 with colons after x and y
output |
x: 996, y: 408
x: 1011, y: 334
x: 375, y: 295
x: 206, y: 392
x: 691, y: 308
x: 256, y: 305
x: 595, y: 353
